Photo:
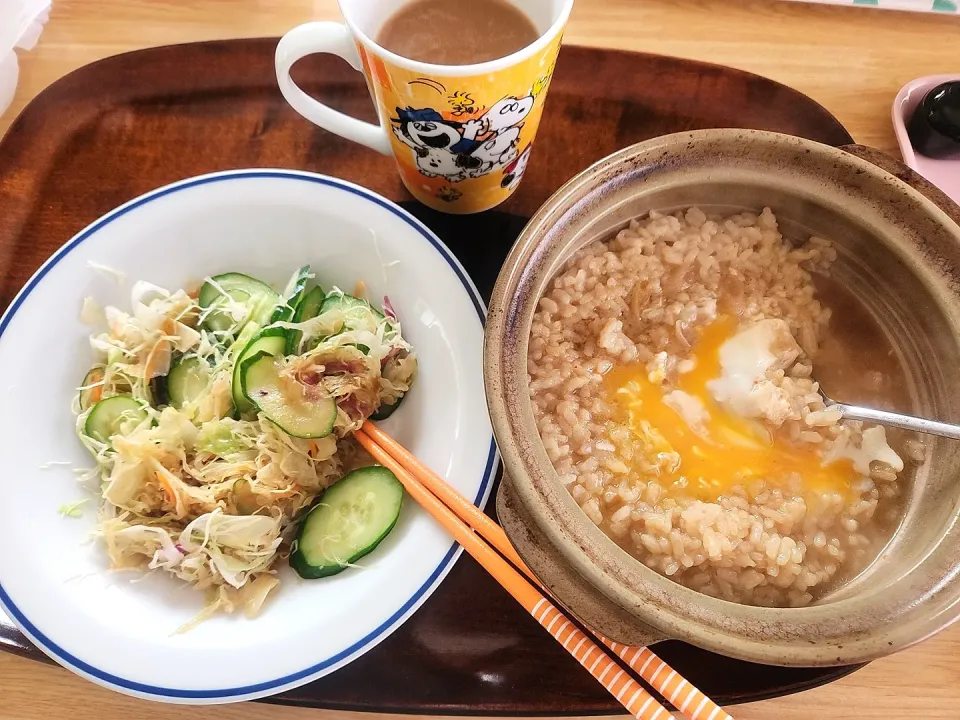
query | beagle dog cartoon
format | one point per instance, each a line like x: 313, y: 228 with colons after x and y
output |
x: 441, y: 147
x: 456, y: 151
x: 513, y: 172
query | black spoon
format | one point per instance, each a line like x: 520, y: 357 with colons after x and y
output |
x: 934, y: 128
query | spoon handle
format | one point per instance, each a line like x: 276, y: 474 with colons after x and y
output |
x: 907, y: 422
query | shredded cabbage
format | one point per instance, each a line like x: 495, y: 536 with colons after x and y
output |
x: 117, y: 275
x: 200, y: 493
x: 91, y: 313
x: 74, y: 509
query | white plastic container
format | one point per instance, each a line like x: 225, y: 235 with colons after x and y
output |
x: 947, y: 7
x: 21, y: 22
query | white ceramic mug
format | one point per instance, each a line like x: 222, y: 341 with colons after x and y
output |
x: 461, y: 134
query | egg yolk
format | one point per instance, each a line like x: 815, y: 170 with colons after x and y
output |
x: 725, y: 450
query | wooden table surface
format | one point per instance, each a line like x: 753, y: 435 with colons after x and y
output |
x: 851, y: 60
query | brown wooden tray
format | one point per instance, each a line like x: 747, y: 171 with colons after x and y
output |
x: 117, y: 128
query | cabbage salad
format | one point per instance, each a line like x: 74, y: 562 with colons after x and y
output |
x: 217, y: 417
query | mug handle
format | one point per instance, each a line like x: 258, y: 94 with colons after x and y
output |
x: 334, y: 39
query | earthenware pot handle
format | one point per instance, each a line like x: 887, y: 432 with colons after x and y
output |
x: 909, y: 176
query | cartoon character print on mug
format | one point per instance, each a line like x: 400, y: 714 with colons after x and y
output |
x: 457, y: 150
x: 461, y: 145
x: 513, y: 172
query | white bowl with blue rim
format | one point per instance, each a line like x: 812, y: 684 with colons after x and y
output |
x: 55, y: 582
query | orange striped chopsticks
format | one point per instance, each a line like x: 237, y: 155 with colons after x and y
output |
x: 460, y: 517
x: 618, y: 682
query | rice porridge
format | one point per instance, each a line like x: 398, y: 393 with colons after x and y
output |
x: 671, y: 374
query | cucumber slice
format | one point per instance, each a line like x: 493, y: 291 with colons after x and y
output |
x: 249, y: 332
x: 308, y: 309
x: 292, y: 295
x: 258, y: 297
x: 244, y: 498
x: 348, y: 521
x: 356, y: 311
x: 352, y: 307
x: 187, y: 380
x: 272, y: 341
x: 90, y: 396
x: 114, y: 416
x: 283, y: 400
x: 391, y: 368
x: 385, y: 411
x: 159, y: 396
x: 243, y: 340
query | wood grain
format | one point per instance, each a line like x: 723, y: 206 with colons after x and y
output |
x: 850, y: 60
x: 923, y: 682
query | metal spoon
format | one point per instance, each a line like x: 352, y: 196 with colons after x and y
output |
x: 885, y: 417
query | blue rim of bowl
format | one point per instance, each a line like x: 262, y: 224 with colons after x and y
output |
x: 400, y: 615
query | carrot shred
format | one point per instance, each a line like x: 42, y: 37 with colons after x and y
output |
x: 155, y: 359
x: 96, y: 393
x: 167, y: 487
